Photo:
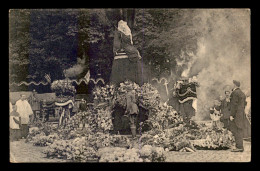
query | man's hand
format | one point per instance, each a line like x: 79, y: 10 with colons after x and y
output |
x: 231, y: 118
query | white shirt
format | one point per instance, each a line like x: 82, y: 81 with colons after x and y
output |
x: 25, y: 110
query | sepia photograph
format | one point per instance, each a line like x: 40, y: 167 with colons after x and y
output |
x: 128, y: 85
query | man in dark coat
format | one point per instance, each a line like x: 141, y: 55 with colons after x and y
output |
x: 237, y: 118
x: 225, y: 110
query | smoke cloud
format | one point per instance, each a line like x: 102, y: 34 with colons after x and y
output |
x: 223, y: 54
x: 76, y: 69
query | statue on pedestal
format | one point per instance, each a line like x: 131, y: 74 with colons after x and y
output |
x: 127, y: 63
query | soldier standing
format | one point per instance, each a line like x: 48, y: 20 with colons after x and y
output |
x: 131, y: 109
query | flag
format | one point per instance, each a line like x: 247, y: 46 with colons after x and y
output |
x: 47, y: 77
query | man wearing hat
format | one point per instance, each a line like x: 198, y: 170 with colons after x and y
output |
x: 237, y: 115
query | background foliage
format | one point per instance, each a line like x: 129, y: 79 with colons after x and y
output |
x: 49, y: 41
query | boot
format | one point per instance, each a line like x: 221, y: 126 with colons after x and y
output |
x: 133, y: 130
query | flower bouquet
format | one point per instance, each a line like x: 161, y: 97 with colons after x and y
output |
x: 43, y: 140
x: 104, y: 120
x: 74, y: 149
x: 120, y: 141
x: 104, y: 94
x: 118, y: 154
x: 43, y: 129
x: 162, y: 117
x: 152, y: 154
x: 122, y: 91
x: 63, y: 89
x: 214, y: 139
x: 148, y: 96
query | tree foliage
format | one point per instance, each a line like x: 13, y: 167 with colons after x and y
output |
x: 49, y: 41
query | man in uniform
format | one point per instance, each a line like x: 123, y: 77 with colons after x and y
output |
x: 131, y: 109
x: 237, y: 118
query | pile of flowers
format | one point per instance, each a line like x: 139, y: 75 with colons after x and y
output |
x: 122, y: 91
x: 104, y: 94
x: 214, y: 139
x: 162, y: 117
x: 43, y: 140
x: 104, y: 120
x: 93, y: 140
x: 148, y: 96
x: 118, y: 154
x: 152, y: 154
x: 79, y: 118
x: 100, y: 140
x: 146, y: 154
x: 84, y: 148
x: 120, y: 141
x: 96, y: 120
x: 63, y: 88
x: 43, y: 129
x: 75, y: 149
x: 185, y: 138
x: 33, y: 132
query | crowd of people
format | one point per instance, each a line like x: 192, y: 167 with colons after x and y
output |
x: 21, y: 114
x: 231, y: 113
x: 228, y: 112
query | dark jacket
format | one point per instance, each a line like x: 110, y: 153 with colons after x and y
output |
x: 237, y: 106
x: 225, y: 109
x: 34, y: 102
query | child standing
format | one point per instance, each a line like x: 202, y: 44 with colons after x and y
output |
x: 215, y: 114
x: 15, y: 123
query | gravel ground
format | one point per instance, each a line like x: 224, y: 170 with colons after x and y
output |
x: 21, y: 152
x: 209, y: 156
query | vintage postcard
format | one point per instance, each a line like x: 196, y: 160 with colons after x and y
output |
x: 129, y: 85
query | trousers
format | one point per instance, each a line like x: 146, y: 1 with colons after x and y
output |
x: 24, y: 130
x: 132, y: 119
x: 226, y: 123
x: 14, y: 134
x: 238, y: 134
